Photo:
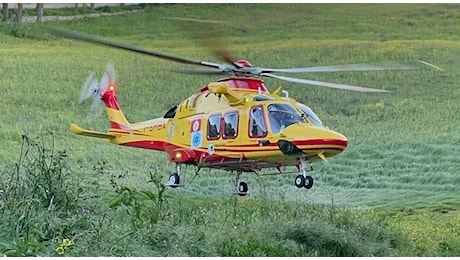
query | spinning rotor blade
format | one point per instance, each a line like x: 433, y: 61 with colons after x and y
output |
x: 95, y: 89
x: 108, y: 77
x: 194, y: 20
x: 96, y: 109
x: 338, y: 68
x: 208, y: 36
x: 239, y: 68
x: 198, y: 71
x: 89, y: 88
x: 92, y: 39
x: 324, y: 84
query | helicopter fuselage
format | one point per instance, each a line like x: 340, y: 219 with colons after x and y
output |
x: 232, y: 124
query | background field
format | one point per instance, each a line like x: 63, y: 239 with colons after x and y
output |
x: 399, y: 174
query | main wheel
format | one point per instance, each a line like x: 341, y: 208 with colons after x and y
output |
x: 308, y: 182
x: 174, y: 180
x: 299, y: 181
x: 242, y: 188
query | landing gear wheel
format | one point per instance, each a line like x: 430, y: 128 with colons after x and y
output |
x: 242, y: 188
x: 174, y: 180
x: 308, y: 182
x: 299, y: 181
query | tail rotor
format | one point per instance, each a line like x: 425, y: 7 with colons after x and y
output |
x: 92, y: 88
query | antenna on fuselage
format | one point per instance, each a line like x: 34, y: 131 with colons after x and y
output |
x: 286, y: 94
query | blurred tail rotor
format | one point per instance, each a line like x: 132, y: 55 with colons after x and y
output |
x: 92, y: 88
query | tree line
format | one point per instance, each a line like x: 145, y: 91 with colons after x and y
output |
x: 17, y: 15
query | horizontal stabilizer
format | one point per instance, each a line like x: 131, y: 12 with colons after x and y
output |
x: 80, y: 131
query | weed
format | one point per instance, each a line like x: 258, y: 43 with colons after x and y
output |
x: 143, y: 207
x: 38, y: 193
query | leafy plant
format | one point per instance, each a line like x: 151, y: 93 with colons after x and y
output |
x: 143, y: 207
x: 35, y: 196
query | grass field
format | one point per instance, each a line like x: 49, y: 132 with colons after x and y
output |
x: 393, y: 192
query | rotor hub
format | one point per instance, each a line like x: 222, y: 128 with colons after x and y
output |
x: 244, y: 63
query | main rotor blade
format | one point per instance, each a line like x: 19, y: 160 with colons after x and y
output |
x: 324, y: 84
x: 337, y: 68
x: 208, y: 35
x: 92, y: 39
x: 198, y: 71
x: 194, y: 20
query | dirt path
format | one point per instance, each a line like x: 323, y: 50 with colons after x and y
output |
x: 33, y: 19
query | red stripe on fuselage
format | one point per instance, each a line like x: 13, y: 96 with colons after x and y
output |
x: 315, y: 142
x: 338, y: 142
x: 319, y: 143
x: 159, y: 145
x: 154, y: 145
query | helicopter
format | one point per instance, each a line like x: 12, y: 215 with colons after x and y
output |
x: 234, y: 123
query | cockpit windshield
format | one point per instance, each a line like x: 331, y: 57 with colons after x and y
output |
x: 282, y: 116
x: 311, y: 115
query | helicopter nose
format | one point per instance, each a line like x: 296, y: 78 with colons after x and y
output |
x: 311, y: 140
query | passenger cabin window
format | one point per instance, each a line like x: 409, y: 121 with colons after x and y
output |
x: 214, y: 127
x: 257, y: 127
x: 230, y: 125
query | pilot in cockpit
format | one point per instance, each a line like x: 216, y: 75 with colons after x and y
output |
x: 280, y: 117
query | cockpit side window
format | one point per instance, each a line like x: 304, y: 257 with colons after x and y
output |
x: 257, y: 127
x: 281, y: 116
x: 214, y: 127
x: 230, y: 125
x: 311, y: 115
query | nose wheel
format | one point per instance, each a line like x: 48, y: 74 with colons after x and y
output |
x: 303, y: 180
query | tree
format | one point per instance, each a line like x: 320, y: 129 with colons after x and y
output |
x: 92, y: 6
x: 39, y: 13
x: 18, y: 17
x: 5, y: 11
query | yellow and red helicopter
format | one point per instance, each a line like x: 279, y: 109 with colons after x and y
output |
x: 234, y: 124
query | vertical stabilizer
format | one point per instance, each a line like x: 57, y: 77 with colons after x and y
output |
x: 103, y: 92
x: 116, y: 117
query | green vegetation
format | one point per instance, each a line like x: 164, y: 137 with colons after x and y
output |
x: 393, y: 192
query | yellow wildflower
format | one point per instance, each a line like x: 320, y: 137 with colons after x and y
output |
x: 66, y: 242
x: 60, y: 250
